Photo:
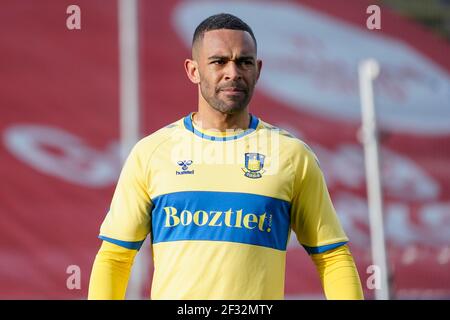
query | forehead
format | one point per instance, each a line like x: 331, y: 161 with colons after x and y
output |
x: 227, y: 42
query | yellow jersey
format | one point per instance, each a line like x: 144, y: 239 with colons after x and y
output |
x: 219, y: 208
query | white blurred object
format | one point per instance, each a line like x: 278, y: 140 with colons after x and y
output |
x: 129, y: 114
x: 368, y: 71
x: 129, y: 74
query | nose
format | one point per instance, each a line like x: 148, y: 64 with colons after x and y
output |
x: 232, y: 71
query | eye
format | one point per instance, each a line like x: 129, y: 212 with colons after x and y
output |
x: 246, y: 62
x: 218, y: 62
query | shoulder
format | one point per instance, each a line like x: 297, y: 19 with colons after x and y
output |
x: 150, y: 143
x: 143, y: 150
x: 287, y: 140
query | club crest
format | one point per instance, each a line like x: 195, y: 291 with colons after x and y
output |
x: 254, y: 163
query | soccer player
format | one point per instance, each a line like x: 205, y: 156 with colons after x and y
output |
x: 219, y: 192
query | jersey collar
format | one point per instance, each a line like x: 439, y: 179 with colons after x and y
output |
x: 254, y: 121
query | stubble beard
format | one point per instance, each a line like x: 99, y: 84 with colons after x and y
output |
x: 230, y: 105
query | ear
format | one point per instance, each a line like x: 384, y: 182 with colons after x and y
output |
x: 191, y: 68
x: 259, y: 65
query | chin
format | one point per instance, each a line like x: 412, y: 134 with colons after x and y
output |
x: 231, y: 109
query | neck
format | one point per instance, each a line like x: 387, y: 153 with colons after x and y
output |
x: 208, y: 118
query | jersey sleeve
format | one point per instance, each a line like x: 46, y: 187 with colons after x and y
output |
x: 338, y: 274
x: 313, y: 217
x: 127, y: 223
x: 110, y: 272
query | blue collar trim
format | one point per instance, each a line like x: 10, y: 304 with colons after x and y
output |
x: 189, y: 126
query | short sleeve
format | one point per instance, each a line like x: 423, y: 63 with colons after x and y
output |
x: 128, y: 221
x: 313, y: 217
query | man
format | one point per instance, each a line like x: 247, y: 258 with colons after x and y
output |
x: 219, y: 191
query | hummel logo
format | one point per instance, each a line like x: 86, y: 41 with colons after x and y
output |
x: 184, y: 167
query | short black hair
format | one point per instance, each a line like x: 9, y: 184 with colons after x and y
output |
x: 221, y: 21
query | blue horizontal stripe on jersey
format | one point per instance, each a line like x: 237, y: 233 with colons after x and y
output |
x: 135, y: 245
x: 189, y: 126
x: 321, y: 249
x: 221, y: 216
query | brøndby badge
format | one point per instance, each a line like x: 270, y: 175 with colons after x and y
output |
x: 254, y: 163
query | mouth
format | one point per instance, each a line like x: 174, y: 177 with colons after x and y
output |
x: 233, y: 91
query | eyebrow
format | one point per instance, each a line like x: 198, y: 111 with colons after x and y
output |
x: 227, y: 58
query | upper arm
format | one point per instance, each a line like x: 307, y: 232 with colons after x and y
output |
x: 313, y: 217
x: 128, y: 220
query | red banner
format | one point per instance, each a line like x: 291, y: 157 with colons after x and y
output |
x: 59, y: 127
